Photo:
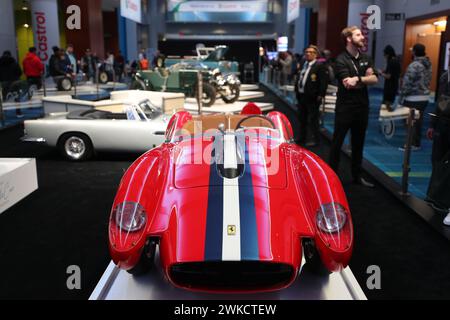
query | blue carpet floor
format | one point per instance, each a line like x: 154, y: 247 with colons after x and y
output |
x: 385, y: 153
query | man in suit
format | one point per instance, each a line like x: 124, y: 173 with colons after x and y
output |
x: 311, y: 87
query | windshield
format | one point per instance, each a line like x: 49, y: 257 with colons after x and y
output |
x: 208, y: 126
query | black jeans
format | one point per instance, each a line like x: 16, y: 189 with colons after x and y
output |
x: 309, y: 111
x: 355, y: 120
x: 417, y: 133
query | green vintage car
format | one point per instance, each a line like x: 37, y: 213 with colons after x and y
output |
x: 177, y: 78
x: 211, y: 57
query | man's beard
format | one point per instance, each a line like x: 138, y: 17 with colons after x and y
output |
x: 358, y: 44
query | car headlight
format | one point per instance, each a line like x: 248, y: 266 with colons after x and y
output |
x: 331, y: 217
x: 130, y: 216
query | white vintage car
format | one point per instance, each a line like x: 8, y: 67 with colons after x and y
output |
x: 78, y: 134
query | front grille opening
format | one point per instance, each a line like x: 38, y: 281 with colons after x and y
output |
x: 231, y: 275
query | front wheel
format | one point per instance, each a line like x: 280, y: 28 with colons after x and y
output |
x: 65, y: 84
x: 313, y: 261
x: 147, y: 259
x: 138, y: 85
x: 75, y: 146
x: 103, y: 77
x: 232, y: 94
x: 209, y: 95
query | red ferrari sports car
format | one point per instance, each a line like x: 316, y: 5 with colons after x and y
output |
x: 232, y: 203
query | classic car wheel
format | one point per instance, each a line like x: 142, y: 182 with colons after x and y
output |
x: 103, y: 77
x: 75, y: 146
x: 312, y: 257
x: 64, y: 84
x: 10, y: 97
x: 233, y: 94
x: 209, y: 95
x: 31, y: 91
x: 147, y: 259
x: 138, y: 85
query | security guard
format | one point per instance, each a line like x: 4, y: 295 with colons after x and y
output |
x: 354, y: 72
x: 311, y: 85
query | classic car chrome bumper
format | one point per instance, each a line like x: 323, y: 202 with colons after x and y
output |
x: 31, y: 139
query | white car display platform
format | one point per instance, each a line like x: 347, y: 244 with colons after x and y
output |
x: 245, y: 95
x: 117, y: 284
x: 18, y: 178
x: 249, y: 87
x: 222, y: 107
x: 167, y: 101
x: 82, y: 88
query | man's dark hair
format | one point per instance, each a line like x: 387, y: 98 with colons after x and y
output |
x: 389, y: 51
x: 7, y: 53
x: 55, y: 49
x: 419, y: 50
x: 32, y: 50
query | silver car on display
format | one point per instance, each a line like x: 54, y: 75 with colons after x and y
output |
x: 79, y: 134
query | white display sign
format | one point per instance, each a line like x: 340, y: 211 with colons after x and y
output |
x: 217, y: 6
x: 44, y: 16
x: 131, y: 9
x: 293, y: 10
x: 282, y: 44
x: 18, y: 178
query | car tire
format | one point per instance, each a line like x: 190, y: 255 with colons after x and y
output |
x: 138, y: 85
x: 75, y: 146
x: 147, y: 260
x: 31, y: 91
x: 235, y: 91
x: 209, y: 95
x: 103, y: 77
x: 314, y: 263
x: 64, y: 84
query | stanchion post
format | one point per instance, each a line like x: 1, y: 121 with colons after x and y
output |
x: 75, y: 84
x: 407, y: 152
x: 2, y: 115
x: 114, y: 78
x: 97, y: 80
x: 44, y: 86
x: 200, y: 92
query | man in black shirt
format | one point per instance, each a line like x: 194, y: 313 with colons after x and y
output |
x: 354, y: 72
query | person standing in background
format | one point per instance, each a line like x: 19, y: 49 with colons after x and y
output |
x: 354, y: 73
x: 438, y: 194
x: 391, y: 74
x: 33, y: 68
x: 9, y: 72
x: 311, y: 88
x: 415, y: 90
x: 71, y: 56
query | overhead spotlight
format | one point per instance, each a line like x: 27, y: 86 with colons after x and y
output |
x: 26, y: 25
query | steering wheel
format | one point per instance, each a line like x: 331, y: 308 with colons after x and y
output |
x: 238, y: 125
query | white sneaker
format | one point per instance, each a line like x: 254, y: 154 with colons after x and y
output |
x: 447, y: 219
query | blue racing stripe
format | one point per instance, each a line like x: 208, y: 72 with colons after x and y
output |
x: 249, y: 231
x: 214, y: 218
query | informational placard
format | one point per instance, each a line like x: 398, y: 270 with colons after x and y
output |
x: 44, y: 16
x: 395, y: 16
x: 282, y: 44
x: 293, y: 10
x: 131, y: 9
x: 217, y: 6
